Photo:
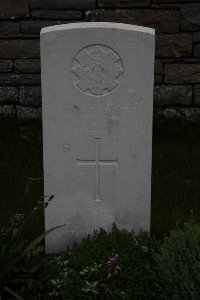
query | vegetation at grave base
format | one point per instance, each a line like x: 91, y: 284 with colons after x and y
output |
x: 114, y: 265
x: 178, y: 264
x: 117, y: 265
x: 13, y: 246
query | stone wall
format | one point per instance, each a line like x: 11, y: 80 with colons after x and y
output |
x: 177, y: 65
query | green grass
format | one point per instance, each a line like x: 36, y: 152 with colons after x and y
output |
x: 21, y: 182
x: 176, y: 176
x: 175, y: 180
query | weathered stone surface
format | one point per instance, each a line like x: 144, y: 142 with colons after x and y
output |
x: 196, y: 37
x: 182, y: 114
x: 57, y: 14
x: 190, y: 17
x: 19, y: 49
x: 27, y: 66
x: 9, y: 29
x: 171, y: 60
x: 8, y: 94
x: 192, y: 60
x: 6, y: 66
x: 29, y: 36
x: 97, y: 122
x: 172, y: 1
x: 197, y: 94
x: 173, y: 94
x: 19, y: 79
x: 158, y: 71
x: 62, y: 4
x: 123, y: 3
x: 7, y: 111
x: 197, y: 50
x: 13, y: 8
x: 35, y: 27
x: 182, y: 73
x: 173, y: 45
x: 161, y: 20
x: 28, y: 113
x: 30, y: 96
x: 166, y: 5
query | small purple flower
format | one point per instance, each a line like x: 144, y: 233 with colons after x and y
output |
x: 112, y: 259
x: 111, y: 263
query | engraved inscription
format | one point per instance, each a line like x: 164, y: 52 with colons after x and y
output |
x: 99, y: 118
x: 96, y: 70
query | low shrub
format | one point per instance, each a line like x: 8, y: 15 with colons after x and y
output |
x: 120, y: 265
x: 178, y: 264
x: 13, y: 247
x: 106, y: 265
x: 91, y: 274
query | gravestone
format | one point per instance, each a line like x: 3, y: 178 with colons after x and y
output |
x: 97, y: 95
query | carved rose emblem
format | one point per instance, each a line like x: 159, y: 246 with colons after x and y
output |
x: 96, y: 70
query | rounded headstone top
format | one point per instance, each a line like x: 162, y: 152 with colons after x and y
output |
x: 108, y: 25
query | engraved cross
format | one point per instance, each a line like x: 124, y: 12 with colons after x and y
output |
x: 97, y: 163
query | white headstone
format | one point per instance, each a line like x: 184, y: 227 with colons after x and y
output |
x: 97, y: 95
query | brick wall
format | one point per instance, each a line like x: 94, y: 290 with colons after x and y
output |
x: 177, y: 64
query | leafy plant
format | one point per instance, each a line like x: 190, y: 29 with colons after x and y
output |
x: 99, y: 278
x: 60, y: 278
x: 13, y: 247
x: 91, y: 281
x: 105, y: 265
x: 27, y: 278
x: 119, y: 265
x: 178, y: 264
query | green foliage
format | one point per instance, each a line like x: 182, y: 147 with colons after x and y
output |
x: 13, y: 247
x: 26, y: 277
x: 135, y: 259
x: 119, y: 265
x: 178, y: 264
x: 21, y: 158
x: 92, y: 282
x: 147, y: 271
x: 106, y: 265
x: 175, y: 176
